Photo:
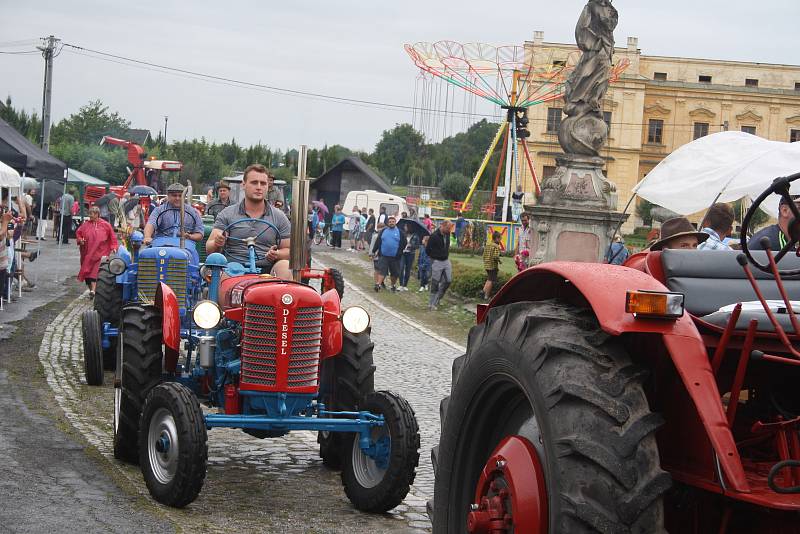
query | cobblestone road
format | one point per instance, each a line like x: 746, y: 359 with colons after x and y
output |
x: 252, y: 482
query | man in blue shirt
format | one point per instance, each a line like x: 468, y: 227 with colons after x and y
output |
x: 388, y: 247
x: 617, y: 253
x: 165, y: 225
x: 337, y: 227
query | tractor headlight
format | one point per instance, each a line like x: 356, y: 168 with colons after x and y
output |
x: 207, y: 314
x: 355, y: 319
x: 117, y: 266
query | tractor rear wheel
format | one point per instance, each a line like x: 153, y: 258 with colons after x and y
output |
x: 344, y: 382
x: 108, y: 303
x: 139, y: 361
x: 92, y: 348
x: 547, y: 424
x: 173, y: 445
x: 379, y: 484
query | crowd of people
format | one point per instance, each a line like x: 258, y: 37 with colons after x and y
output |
x: 17, y: 224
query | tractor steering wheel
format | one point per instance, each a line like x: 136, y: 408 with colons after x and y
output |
x: 248, y: 241
x: 175, y: 227
x: 780, y: 186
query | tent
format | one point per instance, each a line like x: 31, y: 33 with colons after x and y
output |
x: 8, y: 176
x: 81, y: 180
x: 19, y: 153
x: 722, y: 167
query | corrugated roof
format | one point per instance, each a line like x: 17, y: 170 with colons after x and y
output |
x: 138, y: 136
x: 355, y: 161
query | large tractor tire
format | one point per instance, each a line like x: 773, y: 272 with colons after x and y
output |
x: 338, y: 282
x: 173, y: 445
x: 139, y: 361
x: 547, y: 404
x: 108, y: 304
x: 345, y: 380
x: 92, y: 348
x: 379, y: 484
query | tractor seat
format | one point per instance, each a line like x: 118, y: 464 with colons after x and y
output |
x: 712, y: 279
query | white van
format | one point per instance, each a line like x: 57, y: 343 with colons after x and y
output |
x: 394, y: 204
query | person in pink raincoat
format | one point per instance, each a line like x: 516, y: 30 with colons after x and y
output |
x: 96, y: 239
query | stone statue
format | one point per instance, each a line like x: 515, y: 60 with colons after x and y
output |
x: 584, y: 131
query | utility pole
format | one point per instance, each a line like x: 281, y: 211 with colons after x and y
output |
x: 48, y: 53
x: 166, y: 119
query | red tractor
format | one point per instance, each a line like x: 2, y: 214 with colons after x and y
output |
x: 267, y: 356
x: 659, y: 396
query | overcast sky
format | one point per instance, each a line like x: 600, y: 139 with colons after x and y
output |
x: 350, y: 48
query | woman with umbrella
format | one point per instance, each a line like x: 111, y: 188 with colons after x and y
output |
x: 96, y: 239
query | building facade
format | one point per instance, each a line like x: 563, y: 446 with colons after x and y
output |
x: 660, y: 103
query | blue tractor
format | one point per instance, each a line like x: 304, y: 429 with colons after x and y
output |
x: 134, y: 276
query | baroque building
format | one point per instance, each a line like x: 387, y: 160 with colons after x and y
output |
x: 660, y: 103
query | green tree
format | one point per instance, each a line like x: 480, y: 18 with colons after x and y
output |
x: 89, y: 125
x: 28, y: 124
x: 455, y: 186
x: 643, y: 209
x: 398, y: 150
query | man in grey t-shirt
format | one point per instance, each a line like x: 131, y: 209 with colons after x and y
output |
x: 272, y: 248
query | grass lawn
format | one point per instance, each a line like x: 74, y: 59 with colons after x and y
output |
x: 506, y: 264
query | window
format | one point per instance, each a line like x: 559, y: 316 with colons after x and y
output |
x: 559, y: 63
x: 794, y: 136
x: 749, y: 129
x: 660, y: 76
x: 548, y: 171
x: 750, y: 82
x: 553, y: 119
x: 700, y: 129
x: 607, y: 118
x: 797, y: 86
x: 391, y: 209
x: 705, y: 79
x: 655, y: 130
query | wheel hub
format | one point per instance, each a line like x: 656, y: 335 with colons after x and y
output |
x: 511, y: 491
x: 162, y: 443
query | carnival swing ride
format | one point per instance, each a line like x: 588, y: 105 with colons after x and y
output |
x: 513, y: 78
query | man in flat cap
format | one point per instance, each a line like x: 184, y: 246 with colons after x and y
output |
x: 159, y: 225
x: 222, y: 201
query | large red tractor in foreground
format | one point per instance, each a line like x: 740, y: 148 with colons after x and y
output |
x: 660, y: 396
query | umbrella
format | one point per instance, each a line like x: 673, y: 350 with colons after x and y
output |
x: 130, y: 204
x: 414, y: 227
x: 105, y: 199
x: 320, y: 205
x: 8, y: 176
x: 722, y: 167
x: 142, y: 190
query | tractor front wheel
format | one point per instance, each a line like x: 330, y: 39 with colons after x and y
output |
x: 344, y: 382
x: 108, y: 304
x: 547, y: 425
x: 338, y: 282
x: 92, y: 348
x: 139, y: 355
x: 379, y: 482
x: 173, y: 447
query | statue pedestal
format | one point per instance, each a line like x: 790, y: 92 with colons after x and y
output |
x: 575, y: 218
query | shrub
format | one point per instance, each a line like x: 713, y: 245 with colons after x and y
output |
x: 468, y: 281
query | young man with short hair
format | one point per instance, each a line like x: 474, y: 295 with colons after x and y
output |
x: 272, y: 250
x: 718, y: 224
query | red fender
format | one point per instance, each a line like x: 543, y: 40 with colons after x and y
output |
x: 167, y: 302
x: 331, y: 325
x: 602, y: 288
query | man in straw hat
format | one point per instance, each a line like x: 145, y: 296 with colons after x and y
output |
x: 678, y: 233
x: 164, y: 226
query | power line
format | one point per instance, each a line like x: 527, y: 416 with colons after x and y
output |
x: 25, y: 52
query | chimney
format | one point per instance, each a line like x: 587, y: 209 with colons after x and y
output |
x: 538, y: 38
x: 633, y: 44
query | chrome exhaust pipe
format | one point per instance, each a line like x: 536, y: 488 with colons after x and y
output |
x: 300, y: 191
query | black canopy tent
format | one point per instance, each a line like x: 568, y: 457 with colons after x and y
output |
x: 20, y: 154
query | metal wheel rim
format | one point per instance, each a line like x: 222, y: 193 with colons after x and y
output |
x: 506, y: 411
x: 367, y: 473
x: 163, y: 465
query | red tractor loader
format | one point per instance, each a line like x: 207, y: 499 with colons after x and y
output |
x: 657, y: 397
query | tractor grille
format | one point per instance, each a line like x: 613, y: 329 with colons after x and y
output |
x: 261, y: 343
x: 148, y: 278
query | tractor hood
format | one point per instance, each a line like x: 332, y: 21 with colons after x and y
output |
x: 266, y: 290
